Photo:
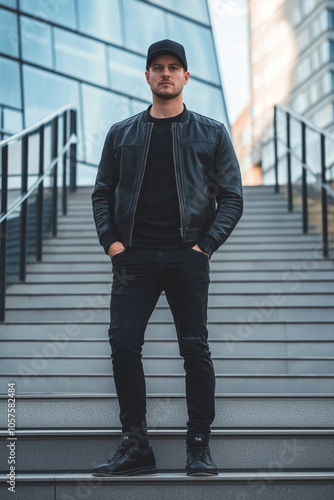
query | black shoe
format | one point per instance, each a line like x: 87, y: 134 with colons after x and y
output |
x: 130, y: 458
x: 199, y: 461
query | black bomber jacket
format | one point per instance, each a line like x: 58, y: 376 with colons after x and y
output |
x: 207, y: 176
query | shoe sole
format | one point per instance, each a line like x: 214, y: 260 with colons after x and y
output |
x: 132, y: 472
x: 199, y: 473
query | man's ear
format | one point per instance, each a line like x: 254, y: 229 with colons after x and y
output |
x: 147, y: 76
x: 186, y: 77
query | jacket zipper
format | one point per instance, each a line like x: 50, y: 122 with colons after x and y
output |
x: 174, y: 132
x: 147, y: 143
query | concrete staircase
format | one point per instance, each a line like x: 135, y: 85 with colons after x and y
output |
x: 271, y: 324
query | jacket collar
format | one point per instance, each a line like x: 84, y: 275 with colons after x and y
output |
x: 146, y: 114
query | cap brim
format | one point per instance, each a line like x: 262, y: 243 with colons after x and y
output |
x: 165, y: 52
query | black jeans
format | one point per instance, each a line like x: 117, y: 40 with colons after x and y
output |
x: 139, y: 277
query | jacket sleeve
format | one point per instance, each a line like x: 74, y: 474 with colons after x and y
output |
x: 227, y: 178
x: 103, y: 196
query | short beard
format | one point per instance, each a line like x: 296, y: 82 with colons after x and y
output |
x: 166, y: 97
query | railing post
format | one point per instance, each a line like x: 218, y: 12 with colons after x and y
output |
x: 40, y: 197
x: 24, y: 206
x: 73, y: 151
x: 3, y: 230
x: 64, y: 188
x: 55, y: 175
x: 275, y: 150
x: 324, y: 198
x: 304, y: 180
x: 288, y: 161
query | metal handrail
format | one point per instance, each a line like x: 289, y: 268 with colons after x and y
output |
x: 36, y: 126
x: 305, y: 168
x: 308, y: 123
x: 73, y: 140
x: 305, y: 165
x: 67, y: 151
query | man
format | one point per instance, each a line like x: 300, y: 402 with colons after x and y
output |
x: 167, y: 195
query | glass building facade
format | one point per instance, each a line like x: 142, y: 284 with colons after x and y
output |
x: 292, y: 62
x: 92, y: 53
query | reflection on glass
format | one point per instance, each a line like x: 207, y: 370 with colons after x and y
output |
x: 313, y: 153
x: 10, y: 83
x: 80, y: 57
x: 296, y: 145
x: 8, y: 30
x: 33, y: 159
x: 199, y: 47
x: 36, y: 42
x: 100, y: 109
x: 138, y: 107
x: 47, y: 154
x: 8, y: 3
x: 86, y: 174
x: 12, y: 120
x: 195, y: 10
x: 144, y: 25
x: 59, y: 12
x: 205, y: 100
x: 45, y: 92
x: 127, y: 73
x: 14, y: 171
x: 101, y: 19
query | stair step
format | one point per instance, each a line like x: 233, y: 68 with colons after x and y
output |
x: 249, y: 411
x: 290, y: 269
x: 93, y: 248
x: 164, y: 365
x: 233, y: 240
x: 291, y: 276
x: 229, y: 348
x: 233, y: 332
x: 298, y: 254
x: 299, y: 485
x: 260, y: 230
x: 264, y: 313
x: 276, y: 299
x: 84, y: 218
x: 166, y: 384
x: 233, y: 450
x: 231, y: 288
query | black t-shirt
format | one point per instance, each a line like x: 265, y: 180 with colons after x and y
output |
x: 157, y: 216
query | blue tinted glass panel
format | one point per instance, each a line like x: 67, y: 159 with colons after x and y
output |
x: 205, y: 100
x: 13, y: 120
x: 100, y: 110
x: 36, y: 42
x: 59, y: 12
x: 195, y: 10
x: 138, y: 106
x: 8, y: 3
x: 143, y: 25
x: 80, y: 57
x: 127, y: 73
x: 44, y: 92
x: 10, y: 83
x: 101, y: 19
x: 198, y: 43
x: 86, y: 174
x: 8, y: 29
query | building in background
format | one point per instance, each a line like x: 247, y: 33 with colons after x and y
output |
x: 292, y: 62
x: 92, y: 53
x: 242, y: 138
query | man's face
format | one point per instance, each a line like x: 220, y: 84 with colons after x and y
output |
x: 166, y: 77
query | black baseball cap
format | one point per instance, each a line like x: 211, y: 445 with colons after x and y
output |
x: 166, y: 47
